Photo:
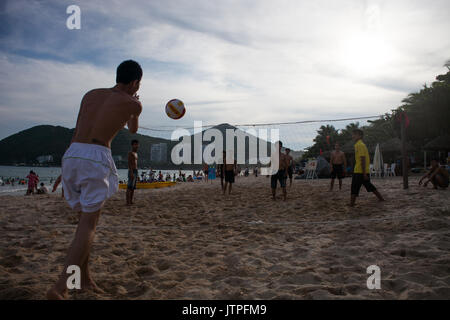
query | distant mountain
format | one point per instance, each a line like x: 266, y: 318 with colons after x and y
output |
x: 48, y: 143
x: 45, y: 140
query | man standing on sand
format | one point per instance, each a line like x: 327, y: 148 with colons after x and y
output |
x: 281, y: 174
x: 132, y: 171
x: 221, y: 169
x: 89, y: 175
x: 290, y: 167
x: 338, y: 163
x: 230, y: 171
x: 360, y: 175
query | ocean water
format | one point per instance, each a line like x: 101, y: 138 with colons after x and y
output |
x: 46, y: 174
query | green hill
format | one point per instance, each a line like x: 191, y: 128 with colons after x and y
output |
x: 25, y: 146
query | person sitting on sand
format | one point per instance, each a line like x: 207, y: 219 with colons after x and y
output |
x: 42, y: 189
x: 437, y: 175
x: 360, y: 175
x: 89, y: 175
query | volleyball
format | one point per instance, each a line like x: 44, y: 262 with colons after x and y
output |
x: 175, y: 109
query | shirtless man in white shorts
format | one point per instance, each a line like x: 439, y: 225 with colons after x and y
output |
x: 89, y: 175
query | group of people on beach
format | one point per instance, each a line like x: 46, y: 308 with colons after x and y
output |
x: 33, y: 181
x: 89, y: 175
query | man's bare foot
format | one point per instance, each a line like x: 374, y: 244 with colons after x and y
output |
x: 91, y: 286
x: 53, y: 294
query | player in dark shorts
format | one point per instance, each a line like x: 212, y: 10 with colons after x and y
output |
x: 338, y: 162
x: 132, y: 171
x: 221, y: 169
x: 290, y: 166
x: 132, y: 179
x: 281, y: 174
x: 361, y: 175
x: 230, y: 170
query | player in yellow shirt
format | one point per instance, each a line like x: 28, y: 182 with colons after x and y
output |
x: 360, y: 175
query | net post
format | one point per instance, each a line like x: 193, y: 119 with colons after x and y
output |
x: 404, y: 154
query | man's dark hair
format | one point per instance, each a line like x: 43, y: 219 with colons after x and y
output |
x: 280, y: 143
x: 287, y: 149
x: 134, y: 141
x: 128, y: 71
x: 359, y: 132
x: 42, y: 184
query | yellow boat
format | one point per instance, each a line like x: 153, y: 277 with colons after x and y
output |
x: 149, y: 185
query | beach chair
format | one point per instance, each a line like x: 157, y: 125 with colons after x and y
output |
x: 311, y: 168
x: 392, y: 170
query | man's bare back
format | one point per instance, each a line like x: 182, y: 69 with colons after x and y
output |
x: 103, y: 112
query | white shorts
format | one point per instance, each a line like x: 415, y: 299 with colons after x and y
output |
x: 89, y: 176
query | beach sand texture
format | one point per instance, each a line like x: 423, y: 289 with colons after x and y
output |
x: 191, y: 242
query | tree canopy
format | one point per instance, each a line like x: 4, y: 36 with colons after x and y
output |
x: 428, y: 111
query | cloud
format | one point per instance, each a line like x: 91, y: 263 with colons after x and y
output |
x: 229, y: 61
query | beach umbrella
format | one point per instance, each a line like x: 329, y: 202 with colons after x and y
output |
x: 378, y: 160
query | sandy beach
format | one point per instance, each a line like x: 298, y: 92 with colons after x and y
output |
x: 191, y: 242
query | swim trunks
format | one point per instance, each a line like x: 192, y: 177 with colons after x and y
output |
x: 290, y: 172
x: 132, y: 182
x: 229, y: 176
x: 89, y: 176
x: 443, y: 178
x: 338, y: 171
x: 279, y: 176
x: 358, y: 181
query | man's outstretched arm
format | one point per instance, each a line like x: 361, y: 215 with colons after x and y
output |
x: 133, y: 122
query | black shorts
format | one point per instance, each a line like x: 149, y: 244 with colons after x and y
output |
x: 358, y: 181
x: 338, y: 171
x: 132, y: 182
x: 229, y: 176
x: 443, y: 178
x: 279, y: 176
x: 290, y: 172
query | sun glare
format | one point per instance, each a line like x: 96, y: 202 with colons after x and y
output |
x: 366, y: 54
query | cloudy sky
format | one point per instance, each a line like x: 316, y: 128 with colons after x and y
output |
x: 234, y: 61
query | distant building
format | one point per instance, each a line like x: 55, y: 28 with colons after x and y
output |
x: 117, y: 158
x: 45, y: 159
x: 158, y: 153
